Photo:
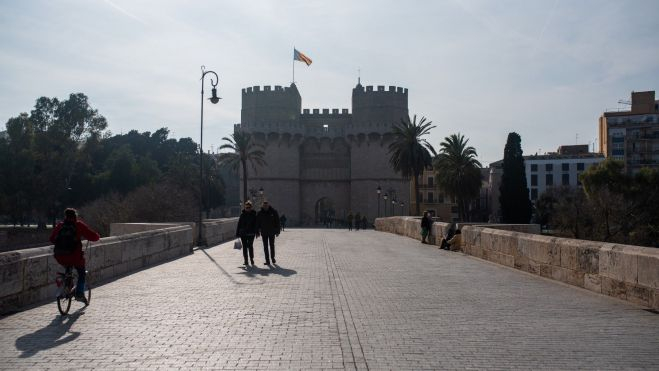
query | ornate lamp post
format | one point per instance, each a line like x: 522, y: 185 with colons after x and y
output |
x: 385, y: 204
x: 214, y: 99
x: 402, y: 205
x: 378, y: 190
x: 393, y: 203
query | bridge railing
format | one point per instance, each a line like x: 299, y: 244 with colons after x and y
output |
x: 623, y: 271
x: 28, y: 276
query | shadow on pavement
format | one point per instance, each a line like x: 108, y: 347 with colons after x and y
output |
x: 274, y: 269
x: 56, y: 333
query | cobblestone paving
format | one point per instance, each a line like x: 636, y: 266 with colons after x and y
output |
x: 337, y: 300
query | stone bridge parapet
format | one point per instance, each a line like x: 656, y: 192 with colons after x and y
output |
x: 28, y: 276
x: 623, y: 271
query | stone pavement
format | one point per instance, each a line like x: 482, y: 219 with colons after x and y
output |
x: 337, y: 300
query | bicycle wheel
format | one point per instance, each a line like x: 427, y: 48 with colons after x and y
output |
x: 64, y: 301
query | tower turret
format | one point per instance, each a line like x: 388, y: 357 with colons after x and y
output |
x: 378, y: 108
x: 270, y: 105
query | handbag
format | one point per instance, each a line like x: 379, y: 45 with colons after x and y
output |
x: 238, y: 245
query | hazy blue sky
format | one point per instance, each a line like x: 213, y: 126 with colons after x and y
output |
x: 545, y: 69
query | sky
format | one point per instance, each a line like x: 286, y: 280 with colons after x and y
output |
x: 544, y: 69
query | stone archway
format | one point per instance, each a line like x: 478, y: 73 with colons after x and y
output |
x: 324, y: 212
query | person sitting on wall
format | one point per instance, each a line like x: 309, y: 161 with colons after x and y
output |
x: 449, y: 235
x: 455, y: 242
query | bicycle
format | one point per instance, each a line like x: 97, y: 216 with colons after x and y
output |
x: 66, y: 288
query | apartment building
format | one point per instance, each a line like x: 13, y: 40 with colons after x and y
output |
x: 632, y: 136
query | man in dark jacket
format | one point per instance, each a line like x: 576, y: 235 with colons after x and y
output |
x: 246, y: 231
x: 267, y: 225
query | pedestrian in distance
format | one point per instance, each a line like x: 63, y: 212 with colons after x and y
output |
x: 349, y: 220
x: 282, y: 222
x: 426, y: 227
x: 267, y: 225
x: 358, y: 221
x: 67, y: 237
x: 364, y: 222
x: 246, y: 231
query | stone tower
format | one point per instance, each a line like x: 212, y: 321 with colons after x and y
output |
x: 325, y: 163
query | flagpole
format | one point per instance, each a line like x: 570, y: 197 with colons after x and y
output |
x: 293, y: 64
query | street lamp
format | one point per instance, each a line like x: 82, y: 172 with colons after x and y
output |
x: 393, y: 203
x: 378, y: 190
x: 214, y: 99
x: 402, y: 204
x: 261, y: 194
x: 385, y: 204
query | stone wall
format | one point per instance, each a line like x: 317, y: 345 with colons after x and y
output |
x: 626, y: 272
x: 215, y: 231
x: 28, y: 276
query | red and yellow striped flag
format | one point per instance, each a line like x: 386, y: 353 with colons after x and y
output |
x: 298, y: 56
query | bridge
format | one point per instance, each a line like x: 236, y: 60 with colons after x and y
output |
x: 361, y: 300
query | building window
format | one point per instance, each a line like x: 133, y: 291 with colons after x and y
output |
x: 580, y: 166
x: 534, y: 193
x: 430, y: 181
x: 534, y: 179
x: 565, y: 166
x: 549, y: 167
x: 534, y: 167
x: 431, y: 197
x: 326, y: 128
x: 549, y: 179
x: 566, y: 179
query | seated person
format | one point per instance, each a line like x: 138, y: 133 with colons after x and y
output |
x: 455, y: 241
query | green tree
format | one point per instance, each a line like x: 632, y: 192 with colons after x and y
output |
x: 458, y: 171
x: 514, y: 192
x: 244, y: 151
x: 409, y: 153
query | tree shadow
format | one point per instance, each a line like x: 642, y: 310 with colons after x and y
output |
x: 274, y: 269
x: 56, y: 333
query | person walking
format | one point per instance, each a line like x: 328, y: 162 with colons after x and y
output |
x: 67, y: 237
x: 349, y: 220
x: 246, y: 231
x: 364, y: 222
x: 282, y: 221
x: 267, y: 225
x: 358, y: 220
x: 426, y: 227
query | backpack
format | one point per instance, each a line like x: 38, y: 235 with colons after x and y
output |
x: 66, y: 240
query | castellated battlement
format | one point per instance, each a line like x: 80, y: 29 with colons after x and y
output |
x: 266, y: 89
x: 380, y: 89
x: 326, y: 112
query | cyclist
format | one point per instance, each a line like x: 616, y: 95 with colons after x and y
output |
x: 67, y: 237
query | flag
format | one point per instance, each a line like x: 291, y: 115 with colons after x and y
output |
x: 298, y: 56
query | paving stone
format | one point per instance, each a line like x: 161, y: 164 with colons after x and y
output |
x: 336, y: 300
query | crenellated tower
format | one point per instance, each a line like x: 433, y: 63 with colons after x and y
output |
x: 324, y: 162
x: 270, y: 105
x: 376, y: 109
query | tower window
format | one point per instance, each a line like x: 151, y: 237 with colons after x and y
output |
x: 325, y: 128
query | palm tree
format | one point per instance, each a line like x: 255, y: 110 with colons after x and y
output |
x: 410, y: 154
x: 457, y: 171
x: 244, y: 150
